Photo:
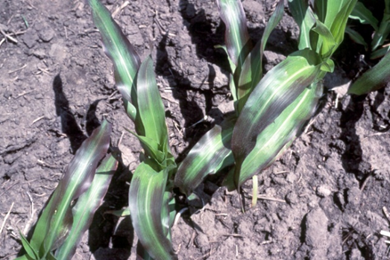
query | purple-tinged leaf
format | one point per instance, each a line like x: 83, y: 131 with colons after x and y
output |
x: 151, y: 110
x: 279, y: 135
x: 209, y: 155
x: 123, y: 55
x: 146, y: 196
x: 86, y: 206
x: 56, y: 218
x: 275, y: 92
x: 251, y: 72
x: 237, y: 39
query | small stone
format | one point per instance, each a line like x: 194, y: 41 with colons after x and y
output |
x: 46, y: 34
x: 292, y: 198
x: 323, y: 191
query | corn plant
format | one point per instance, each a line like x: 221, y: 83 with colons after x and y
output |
x: 150, y: 194
x: 378, y: 76
x: 63, y: 222
x: 271, y: 111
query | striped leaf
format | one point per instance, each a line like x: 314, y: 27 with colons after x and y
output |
x: 56, y: 219
x: 236, y: 34
x: 280, y: 87
x: 278, y: 136
x: 209, y: 155
x: 251, y: 71
x: 123, y: 55
x: 84, y: 210
x: 151, y: 110
x: 146, y: 196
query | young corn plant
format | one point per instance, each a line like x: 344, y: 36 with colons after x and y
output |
x: 151, y: 201
x: 271, y: 110
x: 379, y: 75
x: 63, y: 221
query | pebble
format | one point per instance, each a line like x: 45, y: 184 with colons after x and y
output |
x: 323, y: 191
x: 46, y: 34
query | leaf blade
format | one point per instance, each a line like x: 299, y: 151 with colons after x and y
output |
x: 146, y: 196
x: 56, y: 217
x: 123, y: 55
x: 150, y: 107
x: 361, y: 13
x: 279, y: 135
x: 301, y: 13
x: 375, y: 78
x: 266, y: 102
x: 206, y: 157
x: 236, y: 35
x: 251, y: 71
x: 86, y: 206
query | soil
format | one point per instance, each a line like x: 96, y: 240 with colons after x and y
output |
x: 323, y: 199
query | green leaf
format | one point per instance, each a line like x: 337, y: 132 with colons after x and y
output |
x: 150, y: 107
x: 356, y: 37
x: 278, y: 136
x: 275, y: 92
x: 339, y: 21
x: 326, y: 42
x: 301, y: 13
x: 168, y: 213
x: 236, y: 35
x: 384, y: 28
x: 31, y: 251
x: 333, y: 14
x: 209, y: 155
x: 86, y: 206
x: 146, y: 197
x: 121, y: 52
x: 56, y: 219
x: 379, y: 53
x: 361, y: 13
x: 124, y: 212
x: 251, y: 71
x: 327, y: 66
x: 231, y: 63
x: 374, y: 79
x: 151, y: 148
x: 328, y: 10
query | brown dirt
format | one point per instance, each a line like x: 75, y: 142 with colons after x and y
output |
x: 323, y: 198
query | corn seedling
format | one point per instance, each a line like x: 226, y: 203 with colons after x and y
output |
x: 150, y: 195
x: 271, y: 111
